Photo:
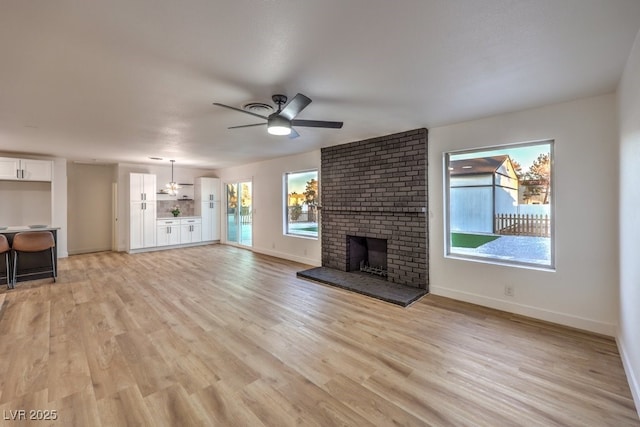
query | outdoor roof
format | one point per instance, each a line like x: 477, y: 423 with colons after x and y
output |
x: 478, y: 166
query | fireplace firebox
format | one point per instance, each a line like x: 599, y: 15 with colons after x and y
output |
x: 367, y: 254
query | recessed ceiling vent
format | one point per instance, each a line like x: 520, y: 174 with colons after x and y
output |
x: 258, y: 108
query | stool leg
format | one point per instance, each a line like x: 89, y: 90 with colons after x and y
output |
x: 15, y: 268
x: 6, y: 261
x: 53, y: 265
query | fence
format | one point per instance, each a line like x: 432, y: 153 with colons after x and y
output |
x: 245, y: 218
x: 523, y: 225
x: 245, y: 215
x: 297, y: 214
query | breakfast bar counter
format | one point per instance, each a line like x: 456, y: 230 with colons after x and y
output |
x: 37, y: 264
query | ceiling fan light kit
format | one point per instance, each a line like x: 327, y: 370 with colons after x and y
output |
x: 277, y: 125
x: 280, y: 122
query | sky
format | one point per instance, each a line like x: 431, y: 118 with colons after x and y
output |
x: 525, y: 155
x: 298, y: 181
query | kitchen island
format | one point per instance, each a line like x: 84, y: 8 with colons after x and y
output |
x: 35, y: 265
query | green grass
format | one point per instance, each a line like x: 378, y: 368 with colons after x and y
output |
x: 308, y: 228
x: 465, y: 240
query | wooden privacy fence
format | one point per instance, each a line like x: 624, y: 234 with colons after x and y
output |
x: 523, y: 225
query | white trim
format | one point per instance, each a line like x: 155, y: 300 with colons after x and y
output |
x: 284, y: 255
x: 88, y: 251
x: 177, y: 246
x: 632, y: 376
x: 590, y: 325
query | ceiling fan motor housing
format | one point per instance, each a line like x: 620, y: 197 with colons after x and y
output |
x: 280, y: 100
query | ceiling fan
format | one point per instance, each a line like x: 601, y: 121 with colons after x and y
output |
x: 280, y: 122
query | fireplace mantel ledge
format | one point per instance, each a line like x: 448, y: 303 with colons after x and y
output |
x: 392, y: 209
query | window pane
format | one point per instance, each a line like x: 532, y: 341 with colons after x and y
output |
x: 301, y: 203
x: 499, y: 204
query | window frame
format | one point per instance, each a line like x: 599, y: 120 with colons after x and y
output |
x: 285, y: 225
x: 448, y: 253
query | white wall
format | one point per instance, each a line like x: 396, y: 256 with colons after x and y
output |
x: 268, y: 205
x: 629, y: 158
x: 583, y: 290
x: 163, y: 176
x: 89, y: 207
x: 58, y: 200
x: 25, y: 202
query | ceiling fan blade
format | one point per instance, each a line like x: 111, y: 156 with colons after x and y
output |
x: 293, y: 108
x: 317, y: 124
x: 293, y: 134
x: 246, y: 126
x: 242, y: 111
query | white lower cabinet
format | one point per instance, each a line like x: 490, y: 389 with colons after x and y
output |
x: 190, y: 230
x: 168, y: 232
x: 142, y: 224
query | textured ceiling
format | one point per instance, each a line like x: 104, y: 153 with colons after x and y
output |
x: 122, y: 80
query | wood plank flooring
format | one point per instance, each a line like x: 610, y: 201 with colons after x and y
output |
x: 217, y: 335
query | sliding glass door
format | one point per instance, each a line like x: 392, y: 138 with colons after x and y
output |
x: 239, y: 213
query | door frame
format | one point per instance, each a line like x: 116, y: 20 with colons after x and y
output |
x: 224, y: 234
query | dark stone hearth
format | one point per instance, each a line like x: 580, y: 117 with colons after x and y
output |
x: 377, y: 189
x: 365, y: 284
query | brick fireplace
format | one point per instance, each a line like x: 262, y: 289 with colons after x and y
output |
x: 374, y: 196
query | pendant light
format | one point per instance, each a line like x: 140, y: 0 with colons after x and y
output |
x: 172, y: 187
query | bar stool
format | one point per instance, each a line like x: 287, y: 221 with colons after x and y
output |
x: 33, y: 241
x: 5, y: 249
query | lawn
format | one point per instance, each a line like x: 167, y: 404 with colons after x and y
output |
x: 466, y: 240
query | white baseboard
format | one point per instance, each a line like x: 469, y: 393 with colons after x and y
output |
x: 632, y: 376
x: 287, y: 256
x: 88, y: 251
x: 590, y: 325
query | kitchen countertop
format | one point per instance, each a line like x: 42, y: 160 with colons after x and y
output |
x: 19, y: 228
x: 178, y: 217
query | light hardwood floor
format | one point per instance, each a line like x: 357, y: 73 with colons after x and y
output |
x: 217, y: 335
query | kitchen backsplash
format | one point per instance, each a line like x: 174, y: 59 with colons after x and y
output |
x: 187, y: 208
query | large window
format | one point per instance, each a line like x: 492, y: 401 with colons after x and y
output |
x: 499, y: 204
x: 301, y: 203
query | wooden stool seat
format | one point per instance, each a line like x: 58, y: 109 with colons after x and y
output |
x: 5, y: 249
x: 33, y: 241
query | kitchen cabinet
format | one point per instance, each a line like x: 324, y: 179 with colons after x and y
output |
x: 14, y: 169
x: 142, y: 211
x: 142, y: 225
x: 168, y: 232
x: 190, y: 230
x: 208, y: 206
x: 142, y: 187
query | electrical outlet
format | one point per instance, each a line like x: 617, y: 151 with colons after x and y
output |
x: 508, y: 290
x: 273, y: 245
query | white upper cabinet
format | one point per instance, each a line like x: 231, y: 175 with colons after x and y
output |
x: 142, y: 187
x: 207, y: 189
x: 25, y: 169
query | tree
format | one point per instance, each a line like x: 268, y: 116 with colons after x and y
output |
x: 232, y: 198
x: 540, y: 171
x: 246, y: 195
x: 311, y: 195
x: 517, y: 168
